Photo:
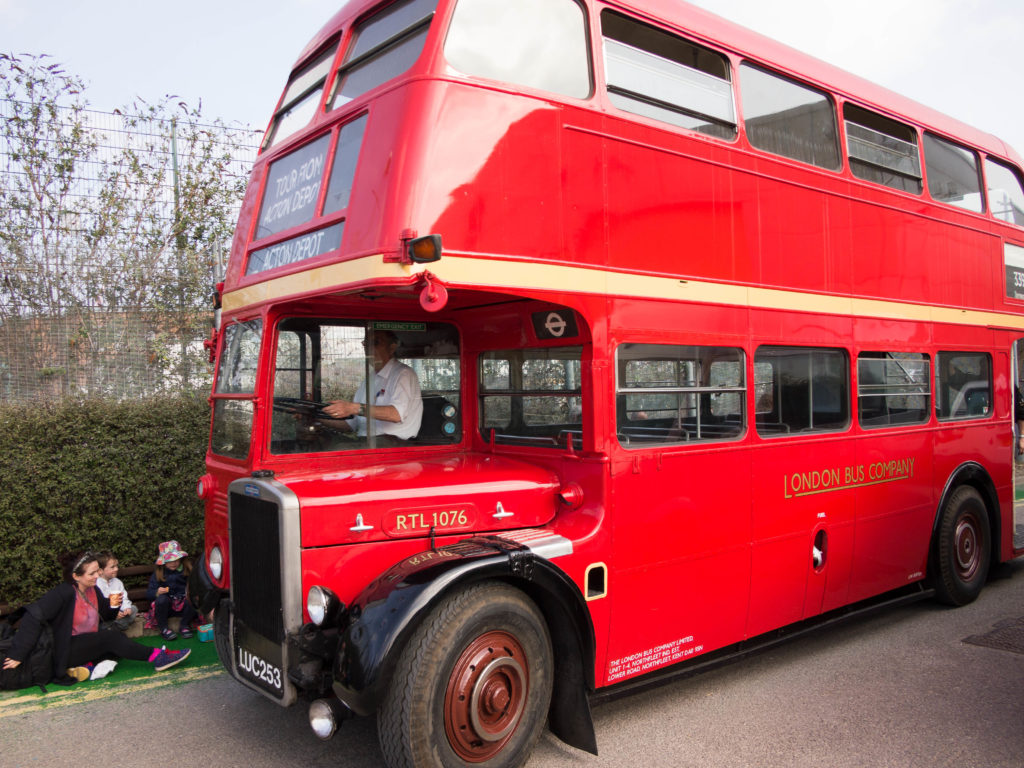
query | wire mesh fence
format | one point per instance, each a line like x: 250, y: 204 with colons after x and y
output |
x: 114, y: 228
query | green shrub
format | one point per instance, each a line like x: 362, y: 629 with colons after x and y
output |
x: 96, y: 475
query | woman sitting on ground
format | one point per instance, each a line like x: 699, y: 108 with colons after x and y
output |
x: 74, y: 610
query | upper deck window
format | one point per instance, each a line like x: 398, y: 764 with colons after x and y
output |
x: 383, y: 46
x: 1005, y: 192
x: 789, y: 119
x: 882, y: 150
x: 301, y: 97
x: 953, y: 174
x: 535, y: 43
x: 658, y: 75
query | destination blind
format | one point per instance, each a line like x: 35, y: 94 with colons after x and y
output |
x: 297, y: 249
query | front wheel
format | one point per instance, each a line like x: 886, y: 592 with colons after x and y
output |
x: 962, y: 548
x: 222, y: 634
x: 472, y: 686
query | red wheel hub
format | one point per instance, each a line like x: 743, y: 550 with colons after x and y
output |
x: 486, y: 696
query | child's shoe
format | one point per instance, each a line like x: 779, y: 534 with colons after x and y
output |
x: 186, y: 633
x: 168, y: 634
x: 166, y: 659
x: 78, y: 673
x: 103, y: 669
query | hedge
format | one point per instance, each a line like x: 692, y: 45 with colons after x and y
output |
x: 96, y: 475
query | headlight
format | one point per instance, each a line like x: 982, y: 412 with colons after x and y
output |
x: 322, y: 720
x: 204, y: 486
x: 216, y: 563
x: 322, y: 605
x: 326, y: 715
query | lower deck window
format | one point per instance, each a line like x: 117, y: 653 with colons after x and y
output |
x: 963, y: 385
x: 801, y: 390
x: 670, y: 394
x: 532, y: 396
x: 235, y: 389
x: 892, y: 388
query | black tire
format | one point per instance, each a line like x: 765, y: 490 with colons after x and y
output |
x: 963, y: 548
x: 473, y: 684
x: 222, y: 634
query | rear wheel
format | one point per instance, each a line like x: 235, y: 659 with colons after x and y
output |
x: 963, y: 548
x: 473, y: 685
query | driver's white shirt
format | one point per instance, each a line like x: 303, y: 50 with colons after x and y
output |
x: 395, y: 384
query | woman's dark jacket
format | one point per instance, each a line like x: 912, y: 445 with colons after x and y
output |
x: 56, y: 607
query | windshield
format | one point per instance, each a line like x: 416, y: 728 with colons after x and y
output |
x: 236, y: 375
x: 352, y: 384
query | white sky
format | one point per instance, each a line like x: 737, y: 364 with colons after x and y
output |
x: 961, y: 57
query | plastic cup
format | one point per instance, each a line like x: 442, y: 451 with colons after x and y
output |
x: 115, y: 599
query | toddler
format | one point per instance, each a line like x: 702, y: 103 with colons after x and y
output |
x: 167, y: 591
x: 107, y: 583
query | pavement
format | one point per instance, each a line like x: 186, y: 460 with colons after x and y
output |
x: 917, y: 686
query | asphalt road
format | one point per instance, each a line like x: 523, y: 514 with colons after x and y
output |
x: 898, y: 689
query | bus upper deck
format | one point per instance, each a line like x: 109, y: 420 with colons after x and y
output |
x: 721, y: 166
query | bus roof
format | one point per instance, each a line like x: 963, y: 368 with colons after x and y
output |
x: 710, y: 28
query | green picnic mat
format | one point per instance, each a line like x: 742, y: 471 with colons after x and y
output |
x: 203, y: 657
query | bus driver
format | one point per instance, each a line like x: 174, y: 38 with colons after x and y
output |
x: 396, y: 406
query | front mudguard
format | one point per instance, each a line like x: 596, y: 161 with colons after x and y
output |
x: 388, y: 611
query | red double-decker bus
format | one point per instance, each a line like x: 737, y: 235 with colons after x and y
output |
x: 567, y: 344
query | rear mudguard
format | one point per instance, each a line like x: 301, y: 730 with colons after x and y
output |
x: 387, y: 612
x: 970, y: 473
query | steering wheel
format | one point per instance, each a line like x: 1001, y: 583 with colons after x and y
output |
x: 312, y: 411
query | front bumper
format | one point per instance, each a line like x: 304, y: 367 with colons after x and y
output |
x: 301, y: 665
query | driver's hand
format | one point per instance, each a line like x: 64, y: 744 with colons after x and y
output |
x: 342, y: 409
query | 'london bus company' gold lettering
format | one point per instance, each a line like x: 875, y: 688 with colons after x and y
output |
x: 842, y: 478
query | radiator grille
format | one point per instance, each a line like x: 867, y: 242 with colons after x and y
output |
x: 256, y: 565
